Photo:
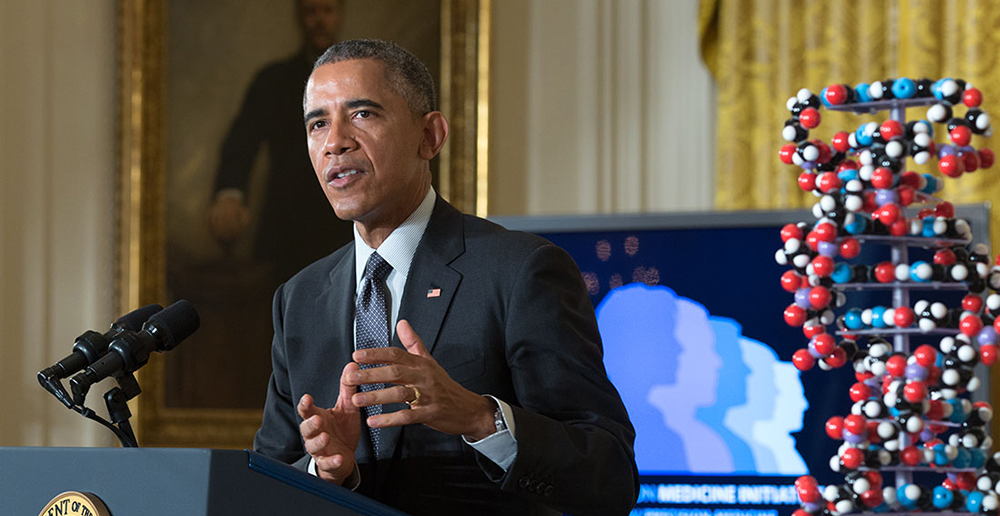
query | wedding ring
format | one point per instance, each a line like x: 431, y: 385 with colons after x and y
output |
x: 416, y: 396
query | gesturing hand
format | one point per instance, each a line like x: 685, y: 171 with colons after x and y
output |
x: 331, y: 435
x: 444, y: 404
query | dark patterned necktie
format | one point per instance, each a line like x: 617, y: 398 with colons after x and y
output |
x: 371, y: 324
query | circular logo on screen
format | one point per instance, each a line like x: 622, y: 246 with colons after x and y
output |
x: 74, y: 503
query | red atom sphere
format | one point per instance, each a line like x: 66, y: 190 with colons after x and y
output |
x: 847, y: 164
x: 828, y: 182
x: 944, y: 209
x: 996, y: 324
x: 903, y: 317
x: 791, y: 231
x: 835, y: 427
x: 910, y: 178
x: 823, y: 266
x: 819, y: 297
x: 988, y: 354
x: 795, y: 315
x: 786, y: 153
x: 882, y: 178
x: 986, y: 158
x: 860, y: 391
x: 812, y: 330
x: 888, y: 214
x: 852, y: 458
x: 914, y: 392
x: 950, y: 166
x: 971, y: 302
x: 899, y: 228
x: 824, y: 344
x: 907, y: 195
x: 872, y: 498
x: 824, y: 151
x: 803, y: 360
x: 826, y: 232
x: 809, y: 118
x: 925, y: 355
x: 895, y: 365
x: 966, y: 480
x: 971, y: 97
x: 961, y: 135
x: 970, y: 325
x: 944, y: 257
x: 874, y: 478
x: 970, y: 161
x: 806, y: 483
x: 891, y: 129
x: 841, y: 142
x: 791, y: 281
x: 807, y: 181
x: 836, y: 94
x: 924, y: 213
x: 885, y: 272
x: 910, y: 456
x: 873, y: 436
x: 812, y: 240
x: 836, y: 359
x: 869, y: 204
x: 933, y: 375
x: 935, y: 409
x: 850, y: 248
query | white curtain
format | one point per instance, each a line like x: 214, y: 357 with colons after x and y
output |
x: 57, y: 155
x: 599, y: 106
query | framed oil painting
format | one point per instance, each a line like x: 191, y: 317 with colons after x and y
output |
x: 219, y: 204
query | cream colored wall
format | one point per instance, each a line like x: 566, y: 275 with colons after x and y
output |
x: 599, y: 106
x: 57, y: 109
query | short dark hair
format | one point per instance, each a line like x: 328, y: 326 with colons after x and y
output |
x: 407, y: 75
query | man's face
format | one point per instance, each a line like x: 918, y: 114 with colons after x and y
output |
x: 364, y: 143
x: 320, y: 21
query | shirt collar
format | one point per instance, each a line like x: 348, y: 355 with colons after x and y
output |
x: 399, y: 247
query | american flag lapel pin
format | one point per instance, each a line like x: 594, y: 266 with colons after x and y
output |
x: 434, y: 292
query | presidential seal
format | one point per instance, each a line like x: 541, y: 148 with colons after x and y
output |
x: 74, y: 503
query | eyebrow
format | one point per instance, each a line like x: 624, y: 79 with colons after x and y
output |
x: 357, y: 103
x: 316, y: 113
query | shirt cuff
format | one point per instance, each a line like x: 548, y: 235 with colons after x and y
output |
x: 351, y: 482
x: 499, y: 447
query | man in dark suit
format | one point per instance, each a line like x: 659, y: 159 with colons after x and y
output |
x: 491, y: 397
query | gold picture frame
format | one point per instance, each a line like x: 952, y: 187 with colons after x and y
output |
x: 141, y: 256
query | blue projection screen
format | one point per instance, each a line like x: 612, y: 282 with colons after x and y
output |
x: 690, y: 312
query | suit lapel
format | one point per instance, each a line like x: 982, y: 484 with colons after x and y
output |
x: 430, y: 288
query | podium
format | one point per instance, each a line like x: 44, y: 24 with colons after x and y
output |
x: 161, y: 482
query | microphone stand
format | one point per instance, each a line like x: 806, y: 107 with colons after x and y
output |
x: 116, y: 400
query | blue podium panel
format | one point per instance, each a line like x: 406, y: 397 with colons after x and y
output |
x: 155, y: 482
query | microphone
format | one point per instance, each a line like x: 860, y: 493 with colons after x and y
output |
x: 89, y: 348
x: 130, y: 350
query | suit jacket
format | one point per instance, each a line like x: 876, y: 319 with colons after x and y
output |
x: 513, y: 320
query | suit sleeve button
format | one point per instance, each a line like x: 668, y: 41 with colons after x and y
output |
x: 523, y: 481
x: 548, y: 491
x: 540, y: 487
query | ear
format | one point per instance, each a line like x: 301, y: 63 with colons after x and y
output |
x: 435, y: 134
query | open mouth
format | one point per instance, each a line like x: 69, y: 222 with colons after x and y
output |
x: 341, y: 176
